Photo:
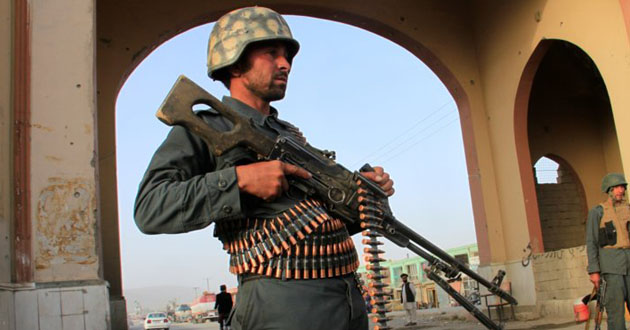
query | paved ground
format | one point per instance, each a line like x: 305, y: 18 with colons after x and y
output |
x: 183, y: 326
x: 456, y: 318
x: 457, y: 322
x: 450, y: 318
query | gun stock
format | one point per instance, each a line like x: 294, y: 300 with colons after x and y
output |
x: 177, y: 110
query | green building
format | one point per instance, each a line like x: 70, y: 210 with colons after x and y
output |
x: 428, y: 295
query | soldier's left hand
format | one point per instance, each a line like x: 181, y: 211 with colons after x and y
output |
x: 382, y: 179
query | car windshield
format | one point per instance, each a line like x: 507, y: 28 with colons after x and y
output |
x: 156, y: 315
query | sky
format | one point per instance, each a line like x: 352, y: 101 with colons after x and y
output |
x: 350, y: 91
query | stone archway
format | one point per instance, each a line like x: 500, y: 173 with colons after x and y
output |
x: 128, y: 33
x: 64, y: 105
x: 563, y: 109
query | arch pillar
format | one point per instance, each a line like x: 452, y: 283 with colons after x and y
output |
x: 521, y: 109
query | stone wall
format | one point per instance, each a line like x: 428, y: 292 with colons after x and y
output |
x: 560, y: 278
x: 562, y: 212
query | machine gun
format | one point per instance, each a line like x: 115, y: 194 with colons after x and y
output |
x: 348, y: 195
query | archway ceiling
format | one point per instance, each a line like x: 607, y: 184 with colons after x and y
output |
x: 439, y: 32
x: 568, y: 75
x: 127, y: 31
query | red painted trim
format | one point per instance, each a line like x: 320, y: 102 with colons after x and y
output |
x: 521, y: 109
x: 23, y: 271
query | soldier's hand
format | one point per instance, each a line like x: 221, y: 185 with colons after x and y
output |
x: 267, y: 180
x: 595, y: 278
x: 382, y: 179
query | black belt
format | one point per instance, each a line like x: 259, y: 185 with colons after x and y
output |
x: 251, y: 277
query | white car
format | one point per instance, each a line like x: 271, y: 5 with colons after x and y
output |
x: 157, y: 321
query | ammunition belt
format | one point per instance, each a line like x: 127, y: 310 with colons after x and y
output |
x: 303, y: 242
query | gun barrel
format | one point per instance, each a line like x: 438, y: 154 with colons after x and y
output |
x: 445, y: 257
x: 485, y: 320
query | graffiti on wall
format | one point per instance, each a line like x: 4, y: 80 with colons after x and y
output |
x: 557, y: 254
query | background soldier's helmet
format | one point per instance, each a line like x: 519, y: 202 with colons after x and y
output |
x: 241, y: 27
x: 612, y: 180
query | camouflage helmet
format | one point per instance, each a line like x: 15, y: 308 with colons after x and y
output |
x: 612, y: 180
x: 241, y: 27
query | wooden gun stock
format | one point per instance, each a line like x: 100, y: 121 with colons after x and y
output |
x: 177, y: 110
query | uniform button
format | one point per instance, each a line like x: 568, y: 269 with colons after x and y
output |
x: 227, y: 209
x: 222, y: 184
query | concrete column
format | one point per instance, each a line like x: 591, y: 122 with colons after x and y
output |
x: 57, y: 281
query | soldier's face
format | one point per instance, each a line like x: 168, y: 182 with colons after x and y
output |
x: 618, y: 192
x: 268, y: 73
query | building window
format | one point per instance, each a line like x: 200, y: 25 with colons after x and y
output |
x: 412, y: 271
x: 463, y: 258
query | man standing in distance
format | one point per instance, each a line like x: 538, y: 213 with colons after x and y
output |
x: 608, y: 248
x: 280, y: 241
x: 223, y: 305
x: 408, y: 299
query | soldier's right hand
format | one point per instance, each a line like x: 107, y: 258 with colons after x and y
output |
x: 267, y: 180
x: 595, y: 278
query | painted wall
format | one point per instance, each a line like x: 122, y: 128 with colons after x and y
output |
x: 63, y: 177
x: 6, y: 136
x: 437, y: 32
x: 610, y: 147
x: 583, y: 151
x: 479, y: 57
x: 570, y: 116
x: 505, y: 43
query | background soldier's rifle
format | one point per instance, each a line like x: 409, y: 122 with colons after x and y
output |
x: 598, y: 294
x: 349, y: 195
x: 601, y: 295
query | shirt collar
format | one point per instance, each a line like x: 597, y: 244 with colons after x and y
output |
x: 248, y: 111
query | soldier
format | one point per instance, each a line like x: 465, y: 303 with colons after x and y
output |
x: 223, y: 305
x: 295, y: 263
x: 408, y: 299
x: 608, y: 248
